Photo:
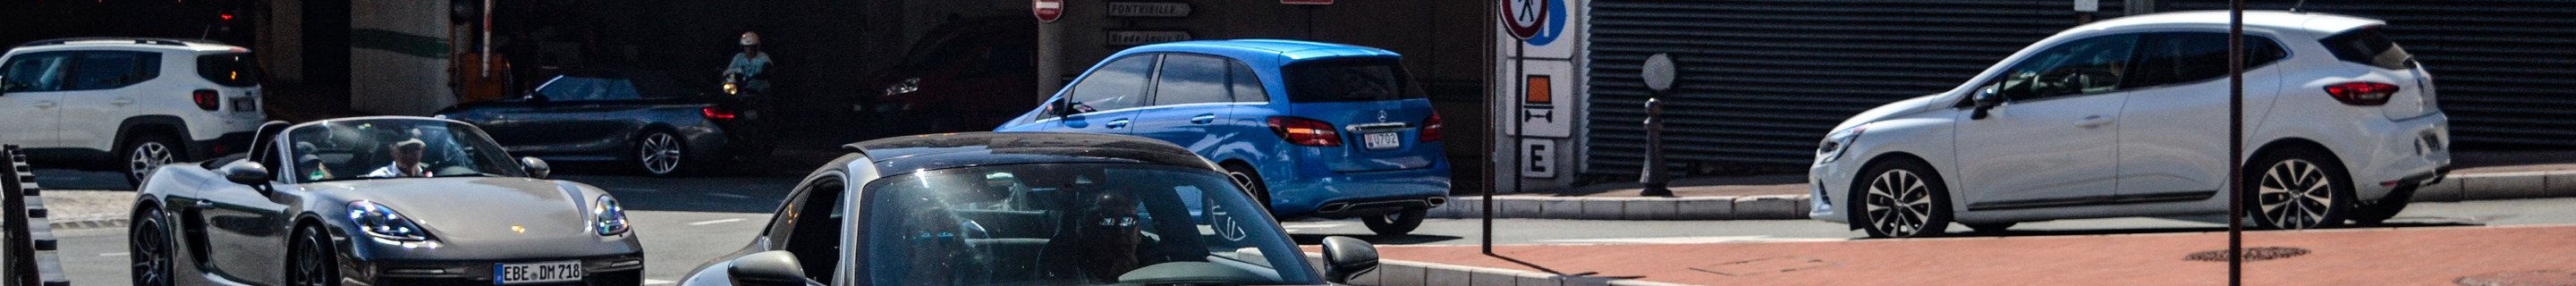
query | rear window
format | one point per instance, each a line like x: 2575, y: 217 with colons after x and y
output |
x: 230, y: 69
x: 2369, y: 46
x: 1349, y: 80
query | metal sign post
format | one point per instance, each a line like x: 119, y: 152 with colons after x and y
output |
x: 1523, y: 19
x: 2235, y: 142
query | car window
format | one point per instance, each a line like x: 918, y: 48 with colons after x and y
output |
x: 619, y: 89
x: 2084, y: 66
x: 813, y: 229
x: 37, y: 72
x: 115, y: 69
x: 394, y: 148
x: 2369, y: 46
x: 1066, y: 224
x: 1246, y: 84
x: 1119, y: 84
x: 229, y: 69
x: 1191, y: 79
x: 1349, y: 80
x: 573, y: 89
x: 2183, y: 57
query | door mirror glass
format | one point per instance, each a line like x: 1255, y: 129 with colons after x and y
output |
x: 776, y: 267
x: 1347, y: 258
x: 1986, y: 99
x: 536, y: 168
x: 245, y: 172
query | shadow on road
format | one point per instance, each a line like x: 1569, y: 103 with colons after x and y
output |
x: 2410, y: 223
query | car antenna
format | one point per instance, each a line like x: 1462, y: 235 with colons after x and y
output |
x: 2294, y: 7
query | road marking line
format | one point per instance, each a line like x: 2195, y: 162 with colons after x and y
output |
x: 636, y: 190
x: 1688, y: 240
x: 1298, y: 226
x: 729, y: 195
x: 716, y: 221
x: 656, y: 282
x: 112, y: 254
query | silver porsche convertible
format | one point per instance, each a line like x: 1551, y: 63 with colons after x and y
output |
x: 377, y: 201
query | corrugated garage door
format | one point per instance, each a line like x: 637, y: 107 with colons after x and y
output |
x: 2505, y: 70
x: 1762, y: 80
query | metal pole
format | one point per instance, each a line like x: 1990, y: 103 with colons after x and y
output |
x: 1520, y: 82
x: 486, y: 49
x: 2235, y: 142
x: 1050, y: 59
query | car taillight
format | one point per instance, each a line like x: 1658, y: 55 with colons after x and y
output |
x: 207, y: 99
x: 2361, y: 93
x: 1431, y: 128
x: 1305, y: 132
x: 716, y: 113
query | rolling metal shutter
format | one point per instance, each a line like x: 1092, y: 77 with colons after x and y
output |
x: 1761, y: 81
x: 2505, y: 71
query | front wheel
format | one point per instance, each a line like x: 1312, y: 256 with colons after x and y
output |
x: 1900, y: 199
x: 2298, y: 189
x: 1398, y: 223
x: 311, y: 261
x: 149, y: 249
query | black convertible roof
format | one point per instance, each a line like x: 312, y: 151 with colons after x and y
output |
x: 948, y: 150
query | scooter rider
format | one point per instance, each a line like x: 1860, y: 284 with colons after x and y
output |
x: 751, y: 63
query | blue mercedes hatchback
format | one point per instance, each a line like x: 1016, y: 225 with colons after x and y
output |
x: 1315, y: 129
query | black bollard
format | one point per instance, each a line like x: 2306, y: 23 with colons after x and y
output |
x: 1657, y: 182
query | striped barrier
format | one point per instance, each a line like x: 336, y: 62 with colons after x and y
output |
x: 31, y: 246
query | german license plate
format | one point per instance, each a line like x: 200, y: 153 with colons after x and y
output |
x: 540, y: 272
x: 245, y: 104
x: 1383, y: 141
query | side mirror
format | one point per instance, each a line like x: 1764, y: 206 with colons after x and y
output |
x: 1986, y: 99
x: 1349, y: 257
x: 536, y: 168
x: 775, y: 267
x: 1065, y: 107
x: 245, y: 172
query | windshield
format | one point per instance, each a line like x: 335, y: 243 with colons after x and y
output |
x: 393, y: 148
x: 1058, y: 224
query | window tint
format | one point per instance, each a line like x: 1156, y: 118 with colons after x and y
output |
x: 1246, y: 84
x: 107, y: 70
x: 1118, y: 84
x: 1191, y: 79
x: 229, y: 69
x: 573, y: 88
x: 1347, y: 80
x: 1066, y: 224
x: 2369, y: 46
x: 2182, y: 57
x: 2086, y: 66
x: 36, y: 72
x: 620, y: 89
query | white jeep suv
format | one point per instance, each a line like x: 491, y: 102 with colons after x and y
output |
x: 127, y: 103
x: 2128, y: 117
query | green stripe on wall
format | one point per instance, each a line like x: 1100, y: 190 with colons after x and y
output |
x: 399, y: 42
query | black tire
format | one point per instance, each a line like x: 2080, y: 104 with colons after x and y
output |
x: 662, y: 154
x: 1900, y: 198
x: 148, y: 246
x: 1250, y: 180
x: 2298, y: 189
x: 310, y: 261
x: 1398, y: 223
x: 145, y: 152
x: 1990, y: 228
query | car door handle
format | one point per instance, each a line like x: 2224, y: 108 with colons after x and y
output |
x: 122, y: 101
x: 1116, y: 124
x: 1203, y: 119
x: 2093, y: 121
x: 205, y: 204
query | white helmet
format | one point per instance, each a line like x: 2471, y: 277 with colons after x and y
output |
x: 750, y: 38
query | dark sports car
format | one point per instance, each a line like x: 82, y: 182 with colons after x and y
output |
x: 656, y: 123
x: 1025, y: 209
x: 377, y: 201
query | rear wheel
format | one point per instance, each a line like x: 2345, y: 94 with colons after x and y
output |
x: 148, y: 246
x: 1398, y: 223
x: 1250, y: 180
x: 145, y: 153
x: 661, y: 154
x: 1901, y: 198
x: 2298, y: 189
x: 311, y: 262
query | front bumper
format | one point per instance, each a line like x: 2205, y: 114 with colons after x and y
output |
x: 625, y: 269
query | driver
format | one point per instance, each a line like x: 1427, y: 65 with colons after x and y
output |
x: 406, y: 161
x: 1108, y: 236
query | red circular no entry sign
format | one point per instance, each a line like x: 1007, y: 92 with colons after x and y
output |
x: 1524, y: 17
x: 1047, y: 10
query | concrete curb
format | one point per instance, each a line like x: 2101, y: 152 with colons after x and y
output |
x: 2458, y: 187
x: 87, y: 223
x: 1414, y: 273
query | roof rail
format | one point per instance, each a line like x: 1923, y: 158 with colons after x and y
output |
x: 138, y: 41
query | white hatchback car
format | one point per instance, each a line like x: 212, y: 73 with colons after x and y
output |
x: 2128, y: 117
x: 134, y: 104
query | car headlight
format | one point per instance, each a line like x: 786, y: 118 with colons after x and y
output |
x: 607, y: 217
x: 384, y: 224
x: 1832, y: 148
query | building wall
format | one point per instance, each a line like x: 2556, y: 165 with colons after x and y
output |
x: 398, y: 53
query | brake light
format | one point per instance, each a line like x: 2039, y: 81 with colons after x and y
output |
x: 716, y: 113
x: 2361, y: 93
x: 1431, y: 128
x: 1305, y: 132
x: 207, y: 99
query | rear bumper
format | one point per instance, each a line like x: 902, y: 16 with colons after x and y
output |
x: 226, y: 144
x: 1342, y: 195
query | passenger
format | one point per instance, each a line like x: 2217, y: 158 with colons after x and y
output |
x: 406, y: 161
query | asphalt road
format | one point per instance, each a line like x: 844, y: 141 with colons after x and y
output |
x: 686, y: 222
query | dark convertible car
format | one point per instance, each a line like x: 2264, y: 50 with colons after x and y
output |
x: 653, y: 122
x: 376, y: 201
x: 1025, y: 209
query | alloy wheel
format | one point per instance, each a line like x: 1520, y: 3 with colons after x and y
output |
x: 1899, y: 203
x: 150, y: 253
x: 145, y: 157
x: 2295, y: 194
x: 660, y: 153
x: 312, y: 262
